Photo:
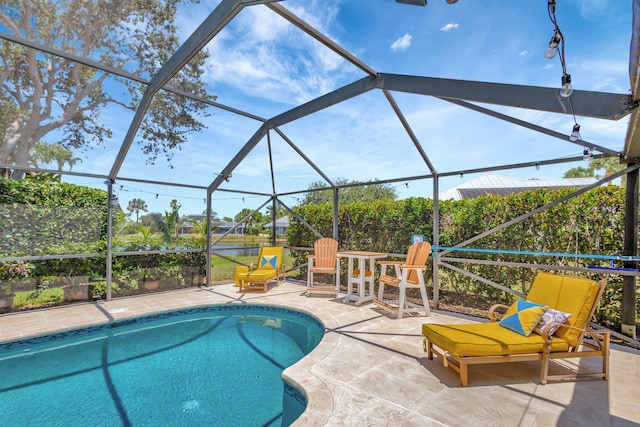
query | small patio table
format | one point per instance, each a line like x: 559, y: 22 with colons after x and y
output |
x: 359, y: 275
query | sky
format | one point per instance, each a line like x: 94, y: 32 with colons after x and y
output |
x: 263, y: 65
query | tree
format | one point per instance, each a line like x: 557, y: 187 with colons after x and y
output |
x: 254, y: 224
x: 579, y: 172
x: 173, y: 218
x: 358, y: 193
x: 41, y: 92
x: 280, y: 211
x: 200, y: 230
x: 609, y: 165
x: 43, y: 153
x: 137, y: 205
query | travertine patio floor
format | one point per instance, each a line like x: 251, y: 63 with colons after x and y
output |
x: 370, y: 369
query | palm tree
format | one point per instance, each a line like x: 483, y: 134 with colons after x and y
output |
x: 145, y: 233
x: 137, y: 205
x: 200, y: 229
x: 47, y: 153
x: 173, y: 218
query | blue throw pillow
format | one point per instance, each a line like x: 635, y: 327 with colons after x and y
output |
x: 268, y: 261
x: 522, y: 317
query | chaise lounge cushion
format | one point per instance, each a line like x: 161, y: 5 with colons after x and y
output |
x: 569, y: 294
x: 259, y: 275
x: 486, y: 339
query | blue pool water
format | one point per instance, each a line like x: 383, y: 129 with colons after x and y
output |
x: 210, y: 366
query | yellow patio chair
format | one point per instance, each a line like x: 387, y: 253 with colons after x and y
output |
x: 560, y: 334
x: 324, y: 260
x: 270, y: 266
x: 409, y: 275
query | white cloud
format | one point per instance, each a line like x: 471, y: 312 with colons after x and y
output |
x: 449, y: 27
x: 262, y: 55
x: 523, y: 53
x: 402, y: 43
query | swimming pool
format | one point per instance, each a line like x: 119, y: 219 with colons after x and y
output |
x: 219, y: 365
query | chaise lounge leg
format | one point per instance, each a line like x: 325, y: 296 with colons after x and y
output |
x: 428, y: 347
x: 544, y: 366
x: 464, y: 374
x: 605, y: 355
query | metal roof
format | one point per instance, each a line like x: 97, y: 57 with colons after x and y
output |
x: 504, y: 185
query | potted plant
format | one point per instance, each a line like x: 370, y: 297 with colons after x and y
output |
x: 10, y: 274
x: 151, y: 279
x: 6, y: 297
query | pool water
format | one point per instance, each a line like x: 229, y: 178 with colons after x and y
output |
x: 211, y: 366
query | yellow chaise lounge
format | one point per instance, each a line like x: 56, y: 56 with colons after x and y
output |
x: 460, y: 345
x: 270, y: 266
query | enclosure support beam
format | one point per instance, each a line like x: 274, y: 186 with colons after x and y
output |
x: 602, y: 105
x: 325, y: 101
x: 335, y: 213
x: 215, y: 22
x: 553, y: 133
x: 408, y: 129
x: 630, y: 248
x: 109, y: 239
x: 436, y: 241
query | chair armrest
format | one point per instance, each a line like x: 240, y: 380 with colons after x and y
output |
x: 414, y: 267
x: 311, y: 256
x: 492, y: 311
x: 389, y: 262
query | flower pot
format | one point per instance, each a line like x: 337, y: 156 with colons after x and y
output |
x: 76, y: 293
x: 6, y: 301
x: 151, y: 285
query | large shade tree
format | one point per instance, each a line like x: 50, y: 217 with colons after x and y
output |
x: 41, y: 93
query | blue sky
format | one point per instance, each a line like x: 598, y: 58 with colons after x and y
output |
x: 263, y: 65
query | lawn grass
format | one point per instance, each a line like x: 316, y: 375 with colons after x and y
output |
x: 38, y: 298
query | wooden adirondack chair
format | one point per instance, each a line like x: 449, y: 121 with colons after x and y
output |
x: 409, y: 275
x: 324, y: 260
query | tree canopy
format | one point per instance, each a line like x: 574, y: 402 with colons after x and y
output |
x: 135, y: 206
x: 41, y: 92
x: 350, y: 194
x: 608, y: 165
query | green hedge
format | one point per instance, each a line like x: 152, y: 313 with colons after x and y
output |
x: 39, y: 218
x: 592, y: 223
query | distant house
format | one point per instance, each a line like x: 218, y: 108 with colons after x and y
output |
x: 282, y: 224
x: 186, y: 227
x: 224, y: 227
x: 503, y: 185
x: 221, y: 227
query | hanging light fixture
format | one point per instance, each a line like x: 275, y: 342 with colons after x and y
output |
x: 566, y: 90
x: 575, y: 134
x: 552, y: 50
x: 586, y: 155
